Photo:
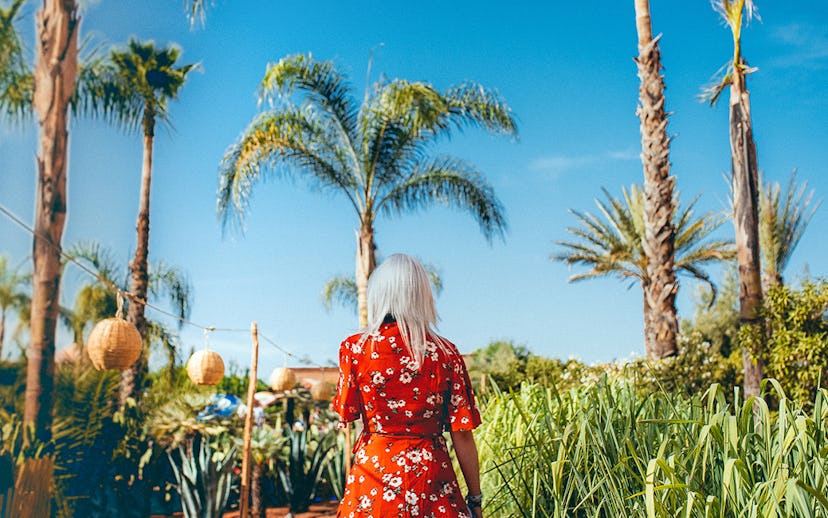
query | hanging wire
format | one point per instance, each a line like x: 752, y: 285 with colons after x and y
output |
x: 122, y: 294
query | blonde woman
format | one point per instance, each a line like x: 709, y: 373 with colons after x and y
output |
x: 408, y: 385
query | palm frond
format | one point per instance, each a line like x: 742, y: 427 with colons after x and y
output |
x: 454, y: 183
x: 16, y: 79
x: 611, y: 243
x: 101, y: 259
x: 341, y: 290
x: 101, y: 93
x: 783, y: 218
x: 290, y: 137
x: 196, y: 11
x: 324, y: 86
x: 172, y: 283
x: 473, y: 105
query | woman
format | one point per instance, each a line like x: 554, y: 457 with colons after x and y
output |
x: 408, y: 385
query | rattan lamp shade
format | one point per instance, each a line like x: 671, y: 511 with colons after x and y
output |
x: 282, y: 379
x: 205, y: 367
x: 321, y: 391
x: 113, y: 343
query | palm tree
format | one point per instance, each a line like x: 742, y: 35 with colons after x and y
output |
x: 376, y: 154
x: 659, y: 242
x: 783, y: 218
x: 148, y: 78
x: 55, y: 74
x: 49, y: 90
x: 613, y: 245
x: 745, y: 187
x: 12, y: 295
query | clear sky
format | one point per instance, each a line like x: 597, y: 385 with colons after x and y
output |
x: 566, y: 70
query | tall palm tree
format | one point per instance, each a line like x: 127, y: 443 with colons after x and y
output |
x: 376, y: 154
x: 745, y: 187
x: 55, y: 74
x: 12, y: 294
x: 50, y: 90
x: 659, y: 242
x: 148, y: 78
x: 783, y: 218
x: 611, y: 244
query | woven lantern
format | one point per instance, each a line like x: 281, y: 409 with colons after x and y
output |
x: 282, y: 379
x: 114, y: 343
x: 205, y: 367
x: 321, y: 390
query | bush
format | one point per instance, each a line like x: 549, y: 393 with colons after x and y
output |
x: 798, y: 337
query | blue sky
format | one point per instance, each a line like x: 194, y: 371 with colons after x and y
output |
x: 566, y: 70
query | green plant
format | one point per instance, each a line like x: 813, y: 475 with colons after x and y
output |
x: 798, y: 337
x: 606, y: 449
x: 203, y: 478
x: 306, y: 460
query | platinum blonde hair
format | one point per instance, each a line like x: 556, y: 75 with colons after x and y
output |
x: 400, y: 287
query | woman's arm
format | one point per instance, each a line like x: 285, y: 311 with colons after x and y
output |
x: 466, y: 451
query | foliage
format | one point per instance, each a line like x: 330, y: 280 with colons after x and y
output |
x: 605, y: 449
x: 613, y: 245
x: 203, y: 477
x: 795, y: 321
x: 783, y: 218
x: 15, y: 77
x: 377, y: 154
x: 13, y: 293
x: 85, y: 434
x: 307, y: 458
x: 501, y: 362
x: 176, y: 422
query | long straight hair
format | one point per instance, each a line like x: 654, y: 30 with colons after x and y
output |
x: 400, y: 287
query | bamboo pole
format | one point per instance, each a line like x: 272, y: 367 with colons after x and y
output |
x: 248, y: 425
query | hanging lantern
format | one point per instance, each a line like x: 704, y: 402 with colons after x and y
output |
x: 205, y: 367
x: 114, y: 343
x: 282, y: 379
x: 321, y: 390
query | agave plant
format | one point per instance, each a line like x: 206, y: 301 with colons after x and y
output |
x: 305, y: 467
x: 203, y: 478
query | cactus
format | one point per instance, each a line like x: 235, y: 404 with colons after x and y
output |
x: 202, y: 482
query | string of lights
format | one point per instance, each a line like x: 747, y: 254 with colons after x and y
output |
x: 134, y: 299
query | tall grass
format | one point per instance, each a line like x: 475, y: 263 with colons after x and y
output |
x: 606, y: 450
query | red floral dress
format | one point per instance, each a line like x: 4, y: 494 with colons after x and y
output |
x: 401, y: 466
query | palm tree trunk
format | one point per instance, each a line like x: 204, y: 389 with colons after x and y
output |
x: 257, y: 508
x: 745, y: 185
x: 366, y: 261
x: 648, y: 325
x: 2, y: 331
x: 659, y: 243
x: 54, y: 82
x: 132, y: 378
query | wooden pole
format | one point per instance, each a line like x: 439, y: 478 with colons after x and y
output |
x: 248, y: 425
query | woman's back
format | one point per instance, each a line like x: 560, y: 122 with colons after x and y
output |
x: 401, y: 465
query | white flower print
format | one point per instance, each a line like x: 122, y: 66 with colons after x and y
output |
x: 411, y: 497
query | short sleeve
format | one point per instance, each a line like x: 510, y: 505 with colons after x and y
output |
x: 346, y: 403
x: 463, y: 414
